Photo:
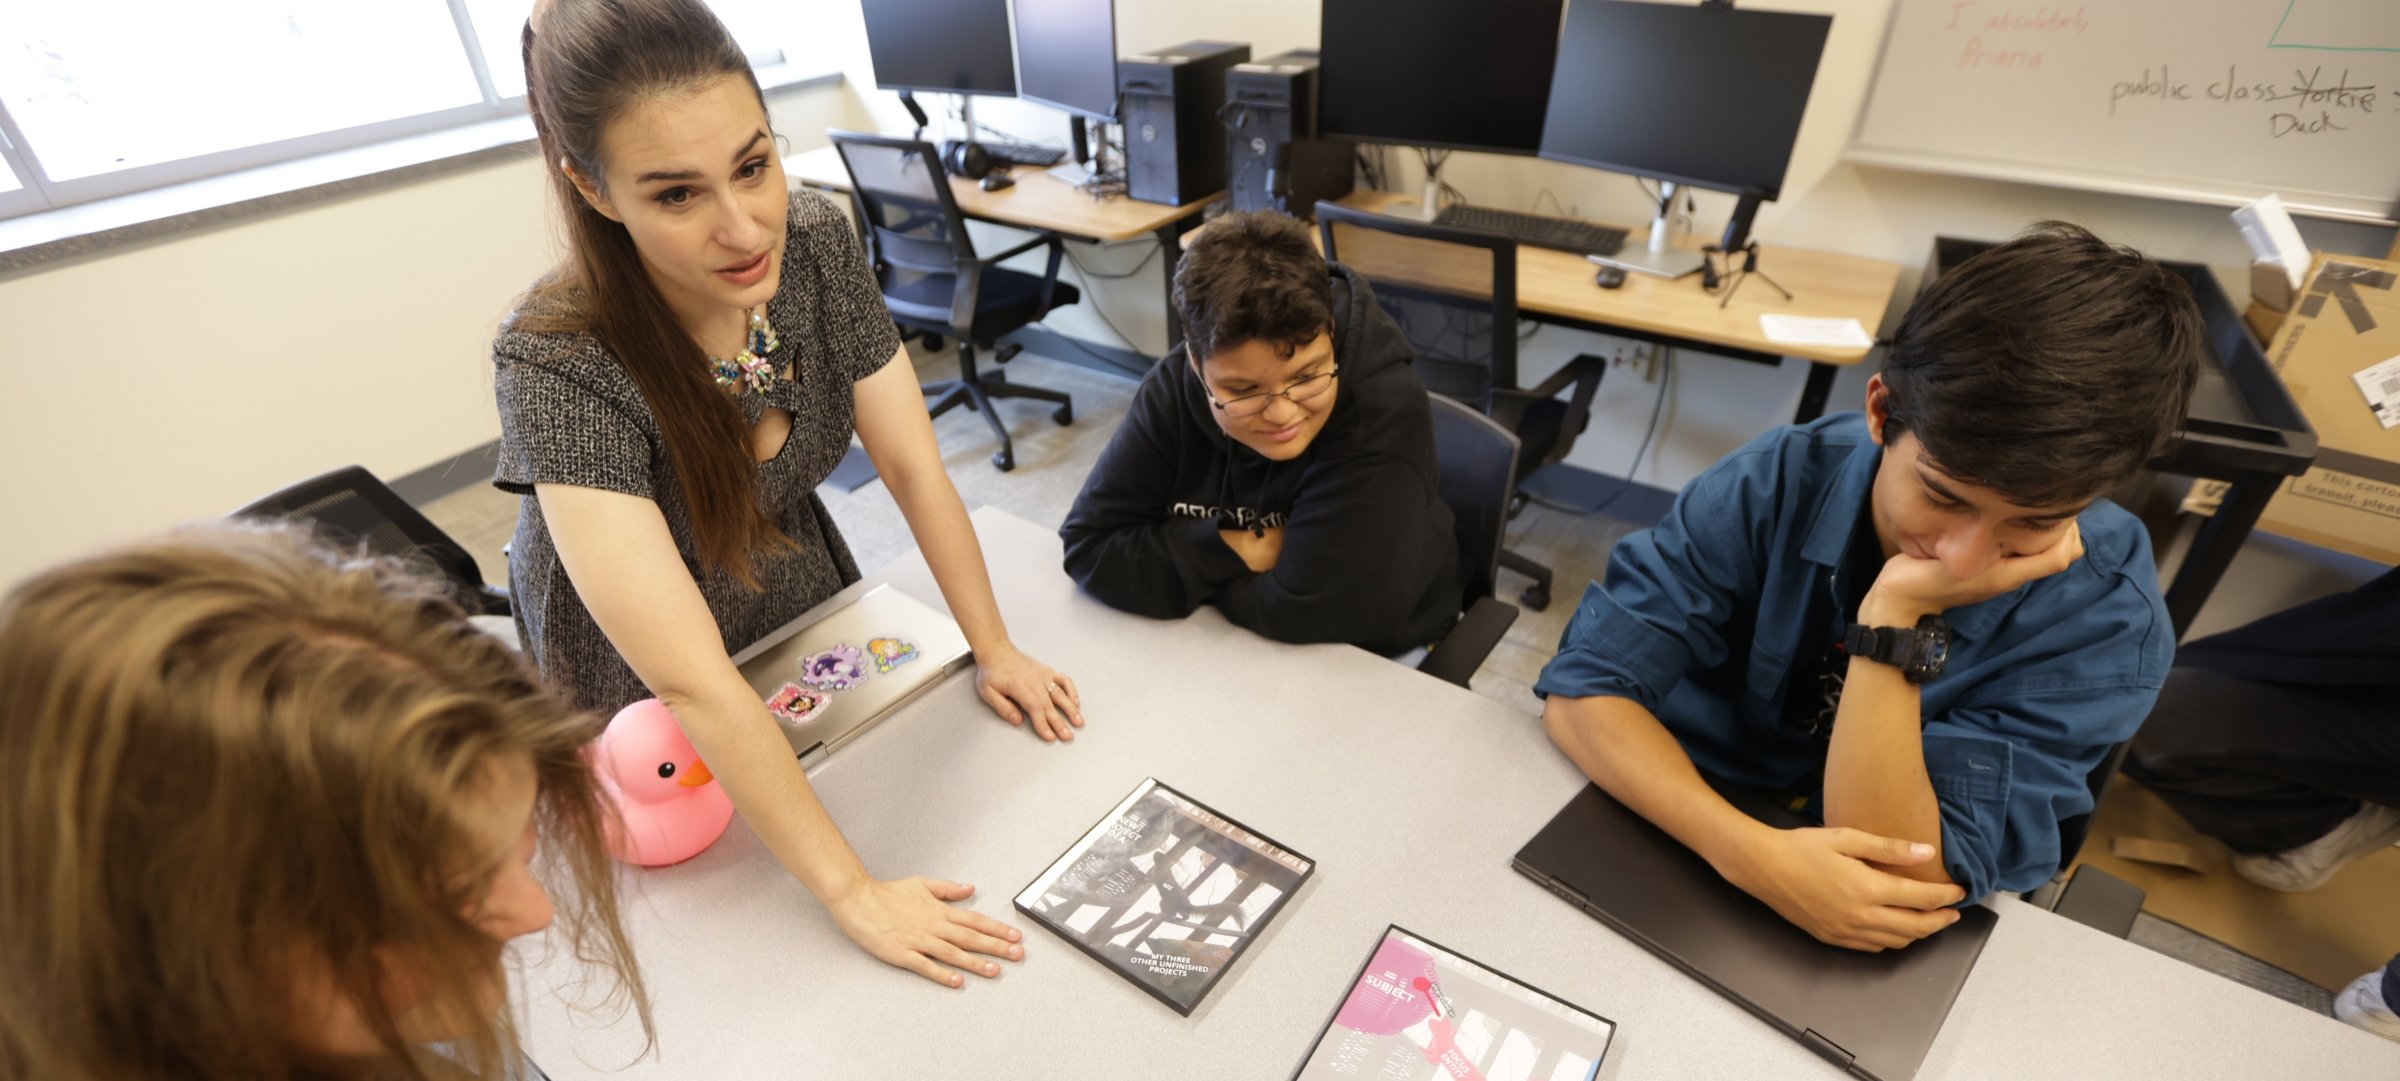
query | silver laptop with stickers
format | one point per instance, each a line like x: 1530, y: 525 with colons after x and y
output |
x: 829, y: 679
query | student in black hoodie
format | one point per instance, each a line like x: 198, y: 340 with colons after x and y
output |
x: 1281, y: 465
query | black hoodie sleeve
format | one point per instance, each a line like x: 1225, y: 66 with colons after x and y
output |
x: 1356, y: 559
x: 1122, y: 545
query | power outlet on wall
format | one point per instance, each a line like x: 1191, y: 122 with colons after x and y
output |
x: 1628, y: 353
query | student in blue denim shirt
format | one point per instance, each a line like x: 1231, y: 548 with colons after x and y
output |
x: 2020, y: 386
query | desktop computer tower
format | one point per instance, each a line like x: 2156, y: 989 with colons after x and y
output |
x: 1174, y: 149
x: 1274, y: 159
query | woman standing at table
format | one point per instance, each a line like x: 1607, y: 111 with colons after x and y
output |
x: 671, y: 395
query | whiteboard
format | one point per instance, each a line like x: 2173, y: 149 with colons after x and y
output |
x: 2213, y: 101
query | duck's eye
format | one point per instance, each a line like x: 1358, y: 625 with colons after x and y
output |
x: 666, y: 769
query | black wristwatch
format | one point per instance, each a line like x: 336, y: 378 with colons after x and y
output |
x: 1918, y: 652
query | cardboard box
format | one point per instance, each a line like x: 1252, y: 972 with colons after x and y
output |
x: 2263, y: 321
x: 2345, y: 319
x: 2271, y: 286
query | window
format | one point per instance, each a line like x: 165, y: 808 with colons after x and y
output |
x: 205, y: 78
x: 89, y: 110
x: 498, y: 25
x: 758, y: 24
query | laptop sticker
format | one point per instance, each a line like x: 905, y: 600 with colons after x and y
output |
x: 841, y: 668
x: 890, y: 653
x: 795, y: 703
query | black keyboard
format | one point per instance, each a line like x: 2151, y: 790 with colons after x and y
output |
x: 1031, y: 157
x: 1580, y: 237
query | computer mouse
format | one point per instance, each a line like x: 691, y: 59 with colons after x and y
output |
x: 997, y: 181
x: 1609, y: 277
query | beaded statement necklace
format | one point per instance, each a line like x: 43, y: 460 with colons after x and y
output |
x: 749, y: 369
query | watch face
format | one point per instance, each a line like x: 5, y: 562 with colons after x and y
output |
x: 1932, y: 648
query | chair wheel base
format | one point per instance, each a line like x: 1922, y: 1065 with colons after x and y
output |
x: 1064, y: 415
x: 1536, y: 598
x: 1004, y: 461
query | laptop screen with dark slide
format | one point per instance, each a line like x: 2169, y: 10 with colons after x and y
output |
x: 1874, y: 1014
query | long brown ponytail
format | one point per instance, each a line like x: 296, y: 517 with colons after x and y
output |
x: 592, y: 61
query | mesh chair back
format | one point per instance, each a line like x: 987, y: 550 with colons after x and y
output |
x: 1479, y: 469
x: 1453, y: 291
x: 349, y: 506
x: 914, y: 230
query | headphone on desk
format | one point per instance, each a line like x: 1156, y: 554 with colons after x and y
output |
x: 963, y: 158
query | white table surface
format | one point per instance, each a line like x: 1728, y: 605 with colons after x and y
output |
x: 1411, y: 794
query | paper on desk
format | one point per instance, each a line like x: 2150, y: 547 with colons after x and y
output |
x: 1804, y: 330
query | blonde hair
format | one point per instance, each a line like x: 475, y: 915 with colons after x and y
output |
x: 229, y: 752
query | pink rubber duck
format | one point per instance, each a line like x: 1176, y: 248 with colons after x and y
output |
x: 671, y: 806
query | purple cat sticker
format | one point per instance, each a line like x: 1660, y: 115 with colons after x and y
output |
x: 841, y: 668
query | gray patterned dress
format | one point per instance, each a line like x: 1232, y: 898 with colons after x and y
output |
x: 569, y: 414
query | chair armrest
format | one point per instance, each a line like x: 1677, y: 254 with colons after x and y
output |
x: 1456, y: 657
x: 1576, y: 371
x: 2098, y: 899
x: 1584, y: 373
x: 1045, y: 237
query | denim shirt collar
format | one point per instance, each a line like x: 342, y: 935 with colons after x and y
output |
x: 1839, y: 515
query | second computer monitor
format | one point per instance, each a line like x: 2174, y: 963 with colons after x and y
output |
x: 1067, y: 55
x: 1705, y: 96
x: 1441, y: 73
x: 946, y: 46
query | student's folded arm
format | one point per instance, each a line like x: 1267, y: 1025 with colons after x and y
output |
x: 1669, y: 597
x: 2013, y: 760
x: 2003, y: 790
x: 1357, y: 555
x: 1671, y: 593
x: 1122, y: 545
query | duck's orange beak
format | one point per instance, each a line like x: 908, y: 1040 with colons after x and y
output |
x: 696, y: 776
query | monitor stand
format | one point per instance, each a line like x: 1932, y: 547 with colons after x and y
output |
x: 1661, y: 256
x: 1428, y: 204
x: 1089, y: 170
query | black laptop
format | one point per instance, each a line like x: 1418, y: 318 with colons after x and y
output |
x: 1873, y: 1014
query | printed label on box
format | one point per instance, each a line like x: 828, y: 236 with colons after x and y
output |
x: 2381, y: 384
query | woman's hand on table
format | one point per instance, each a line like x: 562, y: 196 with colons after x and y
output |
x: 915, y: 924
x: 1019, y: 688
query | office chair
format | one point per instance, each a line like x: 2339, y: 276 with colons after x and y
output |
x: 1454, y: 293
x: 934, y: 284
x: 350, y: 507
x: 1478, y: 479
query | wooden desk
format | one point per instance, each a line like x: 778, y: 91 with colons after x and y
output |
x: 1410, y: 793
x: 1043, y: 202
x: 1558, y: 287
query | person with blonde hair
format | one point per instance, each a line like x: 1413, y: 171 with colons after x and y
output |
x: 267, y: 811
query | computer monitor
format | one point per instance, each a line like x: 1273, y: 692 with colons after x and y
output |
x: 1454, y: 74
x: 941, y: 46
x: 1707, y: 96
x: 1067, y: 55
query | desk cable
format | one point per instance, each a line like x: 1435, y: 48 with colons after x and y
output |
x: 1094, y: 297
